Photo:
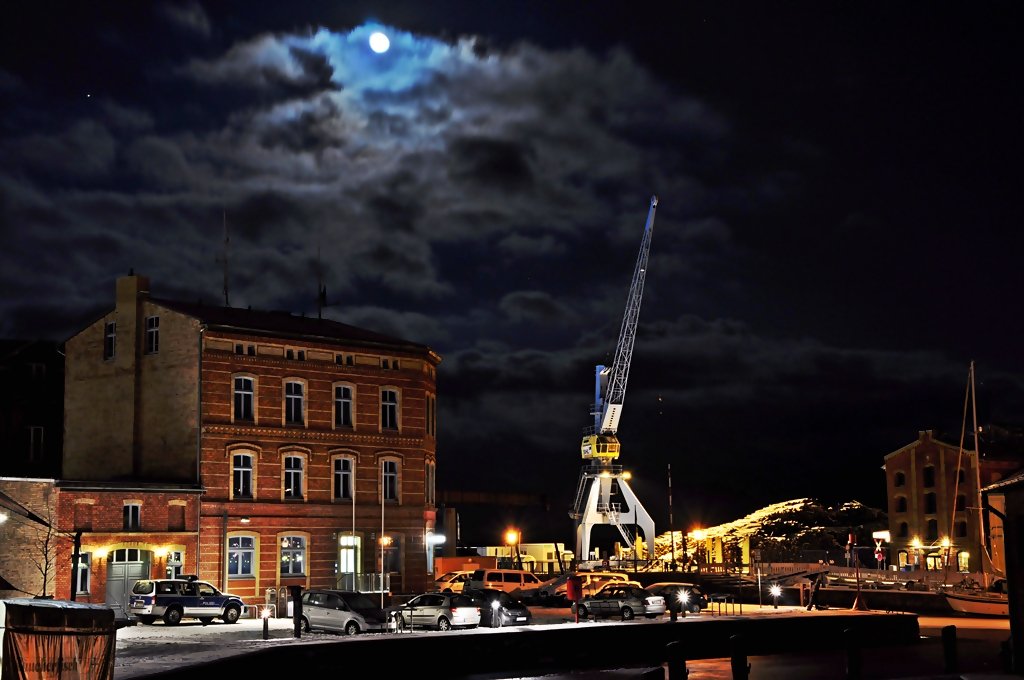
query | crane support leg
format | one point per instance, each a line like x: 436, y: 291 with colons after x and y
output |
x: 598, y: 510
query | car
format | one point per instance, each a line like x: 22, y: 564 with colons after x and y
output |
x: 174, y: 599
x: 498, y: 608
x: 624, y: 600
x: 442, y: 611
x: 341, y: 611
x: 453, y: 581
x: 554, y: 591
x: 686, y: 597
x: 509, y: 580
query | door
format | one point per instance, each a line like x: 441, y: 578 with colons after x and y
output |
x: 210, y: 600
x: 121, y: 578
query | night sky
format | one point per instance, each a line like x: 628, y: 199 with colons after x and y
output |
x: 838, y: 233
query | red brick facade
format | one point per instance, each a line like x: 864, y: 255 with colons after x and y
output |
x: 190, y: 425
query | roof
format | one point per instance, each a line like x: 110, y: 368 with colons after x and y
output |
x: 1013, y: 480
x: 284, y: 323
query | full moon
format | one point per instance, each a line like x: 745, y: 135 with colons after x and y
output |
x: 379, y: 43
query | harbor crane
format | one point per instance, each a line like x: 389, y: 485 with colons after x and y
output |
x: 601, y: 478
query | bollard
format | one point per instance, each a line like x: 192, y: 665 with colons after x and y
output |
x: 675, y: 660
x: 266, y: 622
x: 296, y: 593
x: 949, y: 649
x: 740, y: 667
x: 854, y: 660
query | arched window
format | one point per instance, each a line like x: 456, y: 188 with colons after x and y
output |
x: 899, y: 479
x: 389, y: 479
x: 961, y: 476
x: 241, y: 475
x: 293, y: 478
x: 904, y: 530
x: 901, y: 504
x: 933, y: 529
x: 294, y: 404
x: 342, y: 478
x: 389, y: 409
x: 343, y: 400
x: 244, y: 409
x: 929, y: 503
x: 928, y: 475
x: 960, y: 529
x: 961, y: 502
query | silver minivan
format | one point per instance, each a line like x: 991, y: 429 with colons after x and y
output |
x: 341, y: 611
x: 509, y: 580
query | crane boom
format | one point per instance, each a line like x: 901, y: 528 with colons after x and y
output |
x: 615, y: 394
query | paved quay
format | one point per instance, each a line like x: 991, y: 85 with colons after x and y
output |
x: 787, y: 642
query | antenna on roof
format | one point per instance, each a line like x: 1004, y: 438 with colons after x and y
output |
x: 223, y: 259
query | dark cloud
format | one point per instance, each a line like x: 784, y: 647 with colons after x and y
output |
x: 189, y: 16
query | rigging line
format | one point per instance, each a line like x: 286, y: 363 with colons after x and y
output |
x: 960, y: 453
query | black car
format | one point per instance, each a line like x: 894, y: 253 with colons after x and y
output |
x: 681, y: 597
x: 498, y: 608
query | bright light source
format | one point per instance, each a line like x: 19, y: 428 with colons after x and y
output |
x: 684, y: 596
x: 775, y: 590
x: 379, y: 42
x: 511, y: 537
x: 434, y: 539
x: 3, y: 517
x: 160, y: 552
x: 495, y: 605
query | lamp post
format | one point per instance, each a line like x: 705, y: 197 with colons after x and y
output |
x: 512, y: 538
x: 775, y: 590
x: 915, y: 545
x: 671, y: 532
x: 385, y: 541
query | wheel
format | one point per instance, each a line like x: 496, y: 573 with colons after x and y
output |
x: 627, y: 614
x: 172, y: 617
x: 351, y: 628
x: 305, y: 625
x: 147, y: 619
x: 231, y: 614
x: 651, y: 616
x: 695, y: 609
x: 581, y: 610
x: 206, y: 620
x: 444, y: 624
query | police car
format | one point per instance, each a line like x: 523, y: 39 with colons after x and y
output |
x: 174, y: 599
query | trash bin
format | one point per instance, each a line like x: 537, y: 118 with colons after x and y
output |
x: 56, y: 639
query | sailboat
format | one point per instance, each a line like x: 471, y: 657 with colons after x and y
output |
x: 990, y: 598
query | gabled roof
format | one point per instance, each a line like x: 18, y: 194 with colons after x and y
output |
x: 285, y: 324
x: 1013, y: 480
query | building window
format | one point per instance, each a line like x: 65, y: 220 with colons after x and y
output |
x: 960, y: 529
x: 431, y: 415
x: 132, y: 517
x: 930, y: 507
x: 384, y: 363
x: 428, y: 483
x: 901, y: 504
x: 82, y: 573
x: 293, y: 556
x: 389, y: 409
x: 244, y: 396
x: 301, y: 355
x: 928, y: 474
x: 961, y: 476
x: 241, y: 556
x: 251, y: 350
x: 152, y: 334
x: 289, y: 354
x: 899, y: 479
x: 109, y: 339
x: 35, y: 442
x: 293, y: 412
x: 391, y: 550
x: 389, y: 479
x: 342, y: 479
x: 961, y: 502
x: 963, y: 561
x: 174, y: 564
x: 293, y: 477
x: 241, y: 475
x: 933, y: 529
x: 904, y: 530
x: 342, y: 406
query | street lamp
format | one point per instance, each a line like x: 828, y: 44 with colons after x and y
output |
x: 775, y: 591
x: 512, y: 538
x: 385, y: 541
x: 915, y: 544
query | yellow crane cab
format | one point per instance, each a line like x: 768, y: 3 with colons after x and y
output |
x: 602, y: 446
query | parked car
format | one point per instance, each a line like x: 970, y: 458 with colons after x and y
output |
x: 498, y: 608
x: 682, y: 597
x: 341, y: 611
x: 443, y: 611
x: 453, y: 581
x: 625, y: 600
x: 174, y: 599
x: 554, y: 591
x: 509, y: 580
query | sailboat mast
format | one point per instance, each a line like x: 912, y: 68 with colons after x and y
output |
x: 986, y: 561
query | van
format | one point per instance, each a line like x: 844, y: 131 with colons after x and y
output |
x: 509, y: 580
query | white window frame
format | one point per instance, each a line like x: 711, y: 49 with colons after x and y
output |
x: 241, y: 550
x: 246, y: 396
x: 132, y: 517
x: 339, y: 406
x: 237, y: 470
x: 84, y: 567
x: 293, y: 547
x: 390, y: 481
x: 390, y: 409
x: 288, y: 477
x: 152, y: 334
x: 293, y: 401
x: 340, y: 476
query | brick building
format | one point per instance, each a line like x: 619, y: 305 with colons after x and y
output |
x: 934, y: 500
x: 255, y: 449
